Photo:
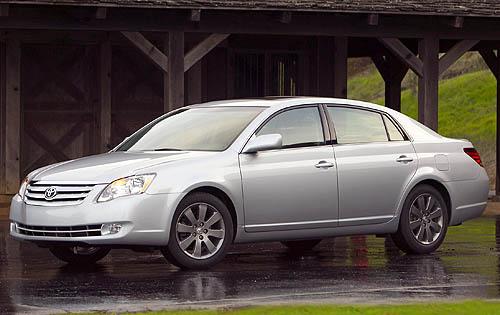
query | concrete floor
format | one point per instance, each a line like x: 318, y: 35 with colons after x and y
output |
x: 341, y: 270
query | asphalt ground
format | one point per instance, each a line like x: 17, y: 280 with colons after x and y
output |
x: 355, y: 269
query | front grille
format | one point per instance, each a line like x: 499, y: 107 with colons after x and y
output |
x: 59, y: 231
x: 66, y: 194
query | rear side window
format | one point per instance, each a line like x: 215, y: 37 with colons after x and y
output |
x: 299, y: 127
x: 392, y: 130
x: 357, y: 125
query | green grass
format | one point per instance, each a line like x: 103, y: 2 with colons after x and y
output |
x: 468, y: 307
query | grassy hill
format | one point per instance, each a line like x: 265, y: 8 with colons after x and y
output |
x: 467, y: 102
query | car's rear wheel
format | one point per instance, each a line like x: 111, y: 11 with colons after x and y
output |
x: 423, y: 222
x: 78, y: 255
x: 201, y: 230
x: 301, y: 246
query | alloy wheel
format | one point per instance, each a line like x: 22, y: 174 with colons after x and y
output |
x: 426, y: 218
x: 200, y: 231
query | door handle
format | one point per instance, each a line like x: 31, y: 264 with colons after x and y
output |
x: 324, y: 164
x: 404, y: 159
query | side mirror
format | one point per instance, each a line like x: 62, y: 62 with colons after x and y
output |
x: 263, y: 143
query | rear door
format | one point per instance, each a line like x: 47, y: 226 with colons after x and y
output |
x: 375, y: 161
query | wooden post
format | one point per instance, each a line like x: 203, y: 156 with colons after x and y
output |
x: 396, y: 73
x: 194, y: 84
x: 174, y: 85
x: 392, y: 71
x: 493, y: 62
x: 428, y: 83
x: 393, y: 94
x: 13, y: 116
x: 340, y: 67
x: 105, y: 99
x: 324, y: 66
x: 497, y: 75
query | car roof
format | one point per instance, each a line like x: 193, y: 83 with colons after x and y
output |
x: 416, y: 130
x: 287, y: 101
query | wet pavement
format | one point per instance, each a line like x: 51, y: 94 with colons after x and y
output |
x: 342, y: 270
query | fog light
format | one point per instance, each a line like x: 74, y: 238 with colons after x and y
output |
x: 13, y: 227
x: 110, y: 228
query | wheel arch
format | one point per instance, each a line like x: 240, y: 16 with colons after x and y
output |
x: 224, y: 197
x: 439, y: 187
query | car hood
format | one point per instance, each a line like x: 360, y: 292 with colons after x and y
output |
x: 104, y: 168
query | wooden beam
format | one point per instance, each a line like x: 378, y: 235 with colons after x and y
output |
x: 372, y: 19
x: 323, y: 70
x: 13, y: 116
x: 203, y: 48
x: 340, y: 67
x: 194, y: 87
x: 148, y: 49
x: 381, y: 65
x: 4, y: 10
x: 195, y: 15
x: 497, y: 170
x: 101, y: 13
x: 428, y: 82
x: 285, y: 17
x: 105, y: 99
x: 392, y: 71
x: 490, y: 59
x: 403, y: 53
x: 458, y: 22
x: 455, y: 52
x: 246, y: 21
x: 175, y: 74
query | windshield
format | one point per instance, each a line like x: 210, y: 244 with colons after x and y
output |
x: 193, y: 129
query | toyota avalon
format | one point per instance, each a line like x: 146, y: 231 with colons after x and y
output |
x: 295, y: 170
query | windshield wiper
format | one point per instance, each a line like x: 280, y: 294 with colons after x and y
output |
x: 166, y: 149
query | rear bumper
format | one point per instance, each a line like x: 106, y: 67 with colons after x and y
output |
x: 469, y: 198
x: 145, y: 220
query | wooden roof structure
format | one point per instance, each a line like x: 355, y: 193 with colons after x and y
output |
x: 77, y: 51
x: 486, y: 8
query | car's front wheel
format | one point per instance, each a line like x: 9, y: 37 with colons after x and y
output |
x: 423, y: 221
x: 78, y: 255
x: 201, y: 231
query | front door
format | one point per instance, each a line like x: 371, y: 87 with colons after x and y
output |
x: 375, y: 162
x: 294, y: 187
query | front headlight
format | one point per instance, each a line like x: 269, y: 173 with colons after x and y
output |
x: 132, y: 185
x: 24, y: 185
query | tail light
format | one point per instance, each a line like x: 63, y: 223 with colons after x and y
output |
x: 474, y: 155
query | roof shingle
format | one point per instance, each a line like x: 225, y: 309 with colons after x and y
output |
x: 430, y: 7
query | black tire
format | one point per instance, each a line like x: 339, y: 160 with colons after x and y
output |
x: 85, y: 256
x: 176, y: 255
x: 301, y: 246
x: 405, y: 238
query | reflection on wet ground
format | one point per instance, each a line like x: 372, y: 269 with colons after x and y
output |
x: 347, y: 269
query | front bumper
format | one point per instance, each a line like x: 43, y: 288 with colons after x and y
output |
x: 145, y: 219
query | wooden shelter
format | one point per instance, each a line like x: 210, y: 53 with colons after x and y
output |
x: 77, y: 76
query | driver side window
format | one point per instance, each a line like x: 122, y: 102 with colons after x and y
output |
x: 299, y: 127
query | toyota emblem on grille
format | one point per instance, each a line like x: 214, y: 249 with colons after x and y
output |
x: 50, y: 193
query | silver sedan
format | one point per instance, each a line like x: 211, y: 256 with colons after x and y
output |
x: 294, y: 170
